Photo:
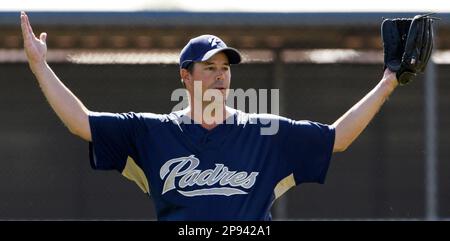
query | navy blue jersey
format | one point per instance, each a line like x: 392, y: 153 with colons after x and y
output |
x: 231, y: 172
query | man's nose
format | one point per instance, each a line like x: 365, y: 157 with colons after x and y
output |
x: 220, y: 75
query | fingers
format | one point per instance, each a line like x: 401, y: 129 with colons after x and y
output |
x: 23, y: 25
x: 27, y: 31
x: 30, y: 30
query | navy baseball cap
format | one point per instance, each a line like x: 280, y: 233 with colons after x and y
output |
x: 203, y: 47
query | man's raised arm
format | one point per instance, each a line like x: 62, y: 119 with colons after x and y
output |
x: 354, y: 121
x: 66, y: 105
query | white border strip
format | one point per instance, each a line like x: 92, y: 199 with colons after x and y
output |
x: 316, y: 56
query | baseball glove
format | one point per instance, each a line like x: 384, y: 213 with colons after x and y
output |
x: 407, y: 43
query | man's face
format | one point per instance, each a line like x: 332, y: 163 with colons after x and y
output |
x: 213, y: 74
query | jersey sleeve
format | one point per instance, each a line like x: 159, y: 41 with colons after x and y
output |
x: 113, y: 139
x: 306, y: 149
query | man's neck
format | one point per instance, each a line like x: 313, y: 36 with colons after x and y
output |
x: 207, y: 116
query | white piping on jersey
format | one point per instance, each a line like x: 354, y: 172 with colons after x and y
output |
x: 191, y: 177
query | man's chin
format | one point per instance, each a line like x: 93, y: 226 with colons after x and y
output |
x: 224, y: 92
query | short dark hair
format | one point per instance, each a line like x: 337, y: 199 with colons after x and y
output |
x: 190, y: 69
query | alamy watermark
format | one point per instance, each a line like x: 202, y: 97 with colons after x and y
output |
x: 212, y: 102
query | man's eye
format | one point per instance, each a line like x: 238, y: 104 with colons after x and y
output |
x: 210, y: 68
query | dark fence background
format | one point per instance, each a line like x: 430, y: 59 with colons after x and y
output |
x: 45, y: 171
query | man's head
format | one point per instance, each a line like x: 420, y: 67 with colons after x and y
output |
x: 207, y: 59
x: 203, y: 47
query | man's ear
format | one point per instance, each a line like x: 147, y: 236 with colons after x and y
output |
x: 185, y: 76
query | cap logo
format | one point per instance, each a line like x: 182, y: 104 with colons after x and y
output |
x: 213, y: 41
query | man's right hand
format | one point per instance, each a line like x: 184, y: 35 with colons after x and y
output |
x: 35, y: 48
x: 66, y: 105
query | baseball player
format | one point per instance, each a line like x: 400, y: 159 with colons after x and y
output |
x: 198, y: 169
